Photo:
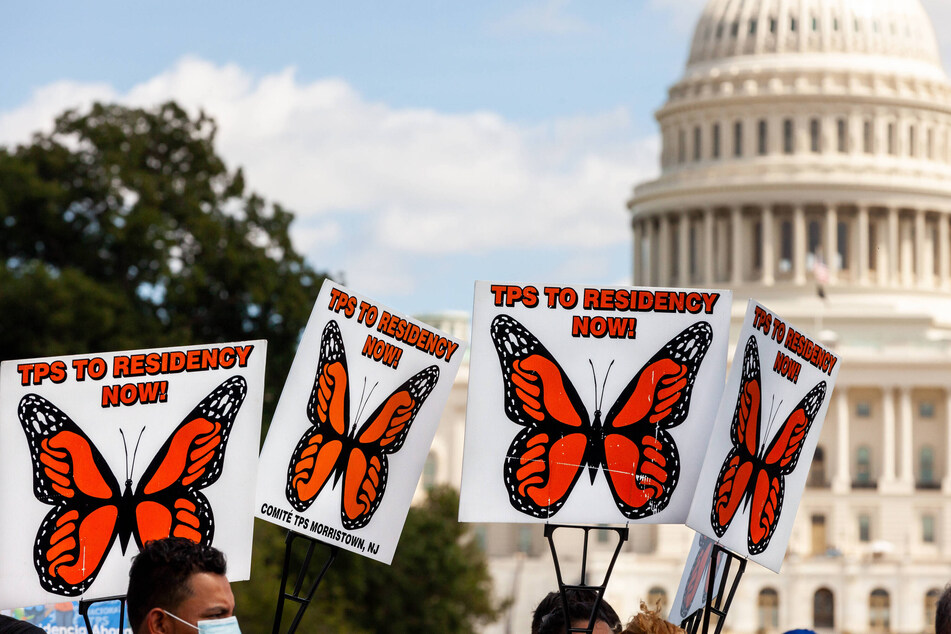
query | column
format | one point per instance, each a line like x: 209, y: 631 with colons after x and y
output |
x: 906, y: 252
x: 737, y: 248
x: 883, y: 258
x: 893, y: 246
x: 663, y: 250
x: 862, y: 246
x: 922, y: 273
x: 842, y: 481
x: 769, y: 242
x: 832, y: 243
x: 709, y: 276
x: 651, y: 268
x: 684, y: 248
x: 888, y: 437
x: 946, y: 481
x: 906, y: 473
x: 944, y: 261
x: 638, y: 255
x: 799, y: 245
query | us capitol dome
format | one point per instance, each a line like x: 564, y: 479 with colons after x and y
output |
x: 806, y: 163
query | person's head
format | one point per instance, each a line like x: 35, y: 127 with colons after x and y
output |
x: 549, y: 616
x: 174, y: 583
x: 649, y: 621
x: 942, y: 615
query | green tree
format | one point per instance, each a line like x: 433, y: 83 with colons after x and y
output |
x: 123, y: 228
x: 438, y: 582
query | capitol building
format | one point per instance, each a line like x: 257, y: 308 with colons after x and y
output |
x: 806, y: 163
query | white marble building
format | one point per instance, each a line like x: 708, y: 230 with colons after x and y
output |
x: 807, y: 144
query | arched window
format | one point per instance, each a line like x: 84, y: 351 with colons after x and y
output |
x: 823, y: 609
x: 657, y: 599
x: 767, y: 604
x: 931, y: 604
x: 879, y: 611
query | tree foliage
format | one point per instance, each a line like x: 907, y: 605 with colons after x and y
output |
x: 438, y: 582
x: 123, y: 228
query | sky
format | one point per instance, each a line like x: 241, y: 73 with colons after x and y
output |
x: 421, y: 145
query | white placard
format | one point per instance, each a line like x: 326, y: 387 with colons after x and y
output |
x: 590, y: 404
x: 101, y: 453
x: 692, y: 591
x: 353, y: 428
x: 767, y: 428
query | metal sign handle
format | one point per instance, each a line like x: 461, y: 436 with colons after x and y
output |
x: 295, y: 595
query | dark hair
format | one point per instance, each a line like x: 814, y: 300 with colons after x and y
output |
x: 159, y: 574
x: 942, y: 613
x: 549, y: 616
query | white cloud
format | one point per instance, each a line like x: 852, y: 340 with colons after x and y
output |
x: 410, y: 180
x: 547, y: 16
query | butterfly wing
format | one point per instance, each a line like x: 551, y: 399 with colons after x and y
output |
x: 698, y: 572
x: 318, y: 453
x: 168, y: 500
x: 640, y: 458
x: 70, y: 474
x: 547, y: 457
x: 780, y: 460
x: 367, y: 468
x: 740, y: 468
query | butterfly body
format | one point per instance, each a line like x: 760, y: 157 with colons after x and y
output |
x: 559, y: 440
x: 754, y: 473
x: 90, y: 511
x: 334, y: 450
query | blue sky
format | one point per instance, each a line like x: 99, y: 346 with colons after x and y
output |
x: 422, y: 145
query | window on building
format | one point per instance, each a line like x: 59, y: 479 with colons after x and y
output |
x: 823, y: 609
x: 720, y: 30
x: 842, y: 245
x: 868, y: 143
x: 927, y: 528
x: 817, y: 471
x: 926, y: 409
x: 772, y: 25
x: 912, y: 141
x: 752, y: 27
x: 815, y: 24
x: 793, y: 24
x: 863, y: 465
x: 820, y: 543
x: 767, y: 604
x: 694, y: 260
x: 789, y: 141
x: 429, y: 472
x: 879, y: 611
x: 716, y: 140
x: 926, y: 475
x: 815, y: 134
x: 681, y: 146
x: 697, y: 143
x: 657, y: 599
x: 863, y: 409
x: 525, y: 538
x: 891, y: 138
x: 738, y: 138
x: 873, y: 254
x: 735, y: 29
x: 835, y: 24
x: 842, y: 135
x: 757, y: 245
x: 865, y: 528
x: 762, y: 137
x: 931, y: 606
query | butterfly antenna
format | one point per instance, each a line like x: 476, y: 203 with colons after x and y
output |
x: 605, y: 382
x: 594, y: 379
x: 362, y: 402
x: 136, y: 451
x: 125, y: 450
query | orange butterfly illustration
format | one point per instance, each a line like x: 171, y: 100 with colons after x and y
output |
x: 90, y: 509
x: 334, y: 447
x: 559, y: 441
x: 758, y: 475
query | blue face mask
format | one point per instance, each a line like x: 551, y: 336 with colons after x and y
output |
x: 213, y: 626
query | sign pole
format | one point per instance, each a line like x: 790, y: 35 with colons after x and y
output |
x: 85, y: 604
x: 564, y: 588
x: 303, y: 600
x: 719, y: 598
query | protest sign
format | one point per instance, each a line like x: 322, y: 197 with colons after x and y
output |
x: 767, y: 428
x: 650, y: 363
x: 101, y: 453
x: 354, y: 423
x: 692, y: 591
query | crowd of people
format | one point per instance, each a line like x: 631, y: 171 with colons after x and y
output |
x: 178, y: 586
